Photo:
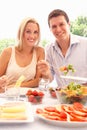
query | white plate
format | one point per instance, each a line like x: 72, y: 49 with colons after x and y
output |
x: 22, y: 91
x: 30, y: 117
x: 63, y: 123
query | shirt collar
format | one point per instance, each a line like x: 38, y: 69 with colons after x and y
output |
x: 73, y: 40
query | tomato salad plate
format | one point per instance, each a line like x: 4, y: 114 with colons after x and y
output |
x: 64, y: 115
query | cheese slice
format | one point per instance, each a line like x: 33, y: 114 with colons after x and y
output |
x: 13, y: 116
x: 19, y: 81
x: 13, y: 110
x: 13, y: 107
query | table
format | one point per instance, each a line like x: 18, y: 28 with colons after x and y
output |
x: 38, y: 123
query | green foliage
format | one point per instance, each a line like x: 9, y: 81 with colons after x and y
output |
x: 5, y: 43
x: 79, y: 26
x: 44, y: 42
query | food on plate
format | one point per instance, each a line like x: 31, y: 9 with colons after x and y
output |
x: 67, y: 69
x: 52, y: 92
x: 72, y: 113
x: 35, y: 96
x: 13, y: 116
x: 72, y: 93
x: 13, y: 107
x: 13, y: 110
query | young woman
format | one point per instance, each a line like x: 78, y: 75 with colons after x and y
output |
x: 22, y: 59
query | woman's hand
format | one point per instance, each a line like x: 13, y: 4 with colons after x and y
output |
x: 3, y: 82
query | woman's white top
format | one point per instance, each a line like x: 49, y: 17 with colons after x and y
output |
x: 14, y: 71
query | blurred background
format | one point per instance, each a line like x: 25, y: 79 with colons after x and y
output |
x: 12, y: 12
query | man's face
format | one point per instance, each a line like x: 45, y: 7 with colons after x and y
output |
x: 59, y: 27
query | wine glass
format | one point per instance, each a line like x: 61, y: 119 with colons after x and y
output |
x: 43, y: 83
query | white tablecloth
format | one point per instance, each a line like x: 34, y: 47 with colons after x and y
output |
x: 38, y: 123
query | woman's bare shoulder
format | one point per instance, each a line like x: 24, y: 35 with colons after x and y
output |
x: 40, y: 52
x: 39, y: 48
x: 7, y: 51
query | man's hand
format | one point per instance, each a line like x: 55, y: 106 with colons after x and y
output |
x: 44, y: 69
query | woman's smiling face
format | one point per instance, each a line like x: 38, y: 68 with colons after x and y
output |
x: 31, y: 34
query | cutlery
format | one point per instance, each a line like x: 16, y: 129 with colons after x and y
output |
x: 73, y: 78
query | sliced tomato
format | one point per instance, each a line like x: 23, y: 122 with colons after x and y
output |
x: 63, y: 114
x: 39, y: 111
x: 54, y: 117
x: 84, y: 110
x: 80, y: 107
x: 66, y: 108
x: 79, y: 113
x: 77, y: 106
x: 74, y: 117
x: 53, y: 114
x: 50, y: 109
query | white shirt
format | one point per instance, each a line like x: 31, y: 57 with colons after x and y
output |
x: 76, y: 55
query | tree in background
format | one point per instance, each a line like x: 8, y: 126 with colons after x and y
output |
x: 5, y: 43
x: 79, y: 26
x: 44, y: 42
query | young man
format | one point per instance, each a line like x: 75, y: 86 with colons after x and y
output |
x: 66, y: 49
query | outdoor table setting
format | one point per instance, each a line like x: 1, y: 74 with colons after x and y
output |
x: 31, y: 109
x: 35, y: 121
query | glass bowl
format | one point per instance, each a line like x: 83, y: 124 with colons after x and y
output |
x: 34, y: 96
x: 52, y: 93
x: 72, y: 93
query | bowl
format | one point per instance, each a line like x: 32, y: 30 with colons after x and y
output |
x: 12, y: 93
x: 34, y: 96
x: 72, y: 93
x: 52, y: 93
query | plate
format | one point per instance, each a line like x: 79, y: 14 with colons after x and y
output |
x: 28, y: 112
x: 50, y: 111
x: 63, y: 123
x: 22, y: 92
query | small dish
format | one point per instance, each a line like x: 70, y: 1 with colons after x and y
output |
x: 34, y: 96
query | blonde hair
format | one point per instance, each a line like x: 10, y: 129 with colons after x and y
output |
x: 22, y: 28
